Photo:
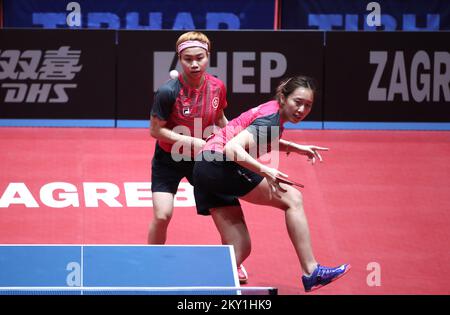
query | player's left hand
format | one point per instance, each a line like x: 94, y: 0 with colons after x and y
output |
x: 311, y: 151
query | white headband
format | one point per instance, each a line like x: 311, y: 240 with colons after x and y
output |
x: 191, y: 43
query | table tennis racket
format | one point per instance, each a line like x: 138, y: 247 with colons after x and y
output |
x: 289, y: 182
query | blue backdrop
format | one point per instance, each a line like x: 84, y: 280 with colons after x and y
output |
x: 350, y: 15
x: 139, y: 14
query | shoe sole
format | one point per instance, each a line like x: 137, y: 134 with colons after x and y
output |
x: 338, y: 277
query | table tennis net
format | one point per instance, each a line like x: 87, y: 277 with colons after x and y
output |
x: 138, y: 291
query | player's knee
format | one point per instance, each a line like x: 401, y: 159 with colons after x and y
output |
x: 162, y: 218
x: 295, y: 200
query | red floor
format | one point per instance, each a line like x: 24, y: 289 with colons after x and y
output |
x: 380, y: 197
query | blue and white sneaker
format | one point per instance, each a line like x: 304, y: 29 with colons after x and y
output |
x: 322, y: 276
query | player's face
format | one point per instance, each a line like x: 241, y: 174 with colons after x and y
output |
x: 297, y: 105
x: 194, y: 61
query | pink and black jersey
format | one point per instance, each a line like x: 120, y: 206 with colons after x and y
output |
x: 263, y: 122
x: 181, y: 105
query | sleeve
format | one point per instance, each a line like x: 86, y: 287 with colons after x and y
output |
x: 163, y: 102
x: 223, y: 96
x: 254, y: 131
x: 244, y: 119
x: 262, y: 129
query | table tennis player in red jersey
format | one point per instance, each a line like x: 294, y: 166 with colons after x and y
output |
x: 184, y: 111
x: 227, y: 170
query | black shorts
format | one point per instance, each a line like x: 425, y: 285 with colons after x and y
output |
x: 219, y: 183
x: 167, y: 173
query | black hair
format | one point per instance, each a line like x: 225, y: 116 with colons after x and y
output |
x: 289, y: 85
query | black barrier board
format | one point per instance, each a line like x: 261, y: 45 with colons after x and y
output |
x: 387, y: 77
x: 57, y: 74
x: 250, y: 63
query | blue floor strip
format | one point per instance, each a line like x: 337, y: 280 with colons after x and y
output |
x: 57, y: 122
x: 340, y: 125
x: 122, y: 123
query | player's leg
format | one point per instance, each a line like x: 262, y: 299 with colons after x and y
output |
x: 166, y: 176
x: 315, y: 276
x: 162, y: 213
x: 213, y: 190
x: 233, y: 230
x: 291, y: 202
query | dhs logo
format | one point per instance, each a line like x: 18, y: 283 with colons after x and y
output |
x: 36, y: 76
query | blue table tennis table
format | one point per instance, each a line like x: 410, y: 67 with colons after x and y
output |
x: 118, y: 269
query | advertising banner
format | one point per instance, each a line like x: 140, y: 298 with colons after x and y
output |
x: 387, y: 77
x: 57, y: 74
x: 250, y: 63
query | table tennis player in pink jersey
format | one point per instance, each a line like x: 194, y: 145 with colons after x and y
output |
x: 227, y: 169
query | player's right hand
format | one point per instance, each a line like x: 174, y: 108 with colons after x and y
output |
x: 271, y: 175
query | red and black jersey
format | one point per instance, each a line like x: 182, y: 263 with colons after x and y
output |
x: 183, y: 106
